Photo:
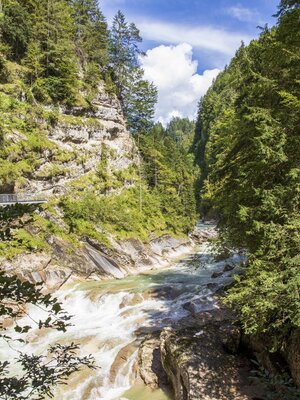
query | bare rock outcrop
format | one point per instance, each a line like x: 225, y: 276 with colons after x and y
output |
x: 150, y: 365
x: 202, y: 362
x: 92, y: 260
x: 79, y: 138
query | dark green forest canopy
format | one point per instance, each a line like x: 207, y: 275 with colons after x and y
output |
x: 57, y: 51
x: 247, y: 145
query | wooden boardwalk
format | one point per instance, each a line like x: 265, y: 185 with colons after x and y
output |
x: 20, y: 198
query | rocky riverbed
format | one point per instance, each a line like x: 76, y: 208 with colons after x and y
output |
x: 158, y: 335
x: 95, y: 262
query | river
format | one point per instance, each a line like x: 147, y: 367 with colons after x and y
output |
x: 111, y: 318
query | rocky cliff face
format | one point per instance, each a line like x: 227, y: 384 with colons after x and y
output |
x: 81, y: 139
x: 202, y: 361
x: 81, y: 142
x: 93, y: 260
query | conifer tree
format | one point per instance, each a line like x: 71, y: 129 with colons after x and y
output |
x: 15, y: 28
x: 249, y: 121
x: 51, y: 51
x: 138, y: 96
x: 91, y: 38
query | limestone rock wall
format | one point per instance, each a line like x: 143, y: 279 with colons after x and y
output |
x: 79, y: 136
x: 93, y: 260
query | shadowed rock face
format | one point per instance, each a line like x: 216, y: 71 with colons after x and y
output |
x: 150, y: 365
x: 277, y: 363
x: 201, y: 361
x: 293, y: 356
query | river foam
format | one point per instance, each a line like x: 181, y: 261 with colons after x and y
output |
x: 111, y: 318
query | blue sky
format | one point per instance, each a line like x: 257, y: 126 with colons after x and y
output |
x: 190, y: 41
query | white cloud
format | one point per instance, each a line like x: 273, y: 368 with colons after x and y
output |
x: 244, y: 14
x: 174, y: 72
x: 201, y: 37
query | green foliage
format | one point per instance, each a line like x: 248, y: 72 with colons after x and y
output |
x: 137, y: 95
x: 20, y: 156
x: 170, y: 172
x: 57, y: 57
x: 91, y: 39
x: 117, y: 214
x: 62, y: 44
x: 39, y: 374
x: 15, y: 234
x: 247, y: 145
x: 154, y: 198
x: 15, y: 28
x: 182, y: 131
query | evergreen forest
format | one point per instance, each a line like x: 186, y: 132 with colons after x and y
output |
x: 247, y: 145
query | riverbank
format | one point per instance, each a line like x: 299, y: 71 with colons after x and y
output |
x: 94, y: 261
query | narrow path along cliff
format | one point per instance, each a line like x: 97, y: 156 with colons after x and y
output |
x: 159, y: 335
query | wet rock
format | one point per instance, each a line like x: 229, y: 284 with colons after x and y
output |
x: 216, y: 274
x: 149, y: 363
x: 106, y: 265
x: 130, y: 300
x: 167, y: 292
x: 228, y: 267
x: 168, y: 246
x: 195, y: 306
x: 91, y: 260
x: 201, y: 234
x: 121, y: 359
x: 212, y: 286
x: 191, y: 307
x: 231, y: 338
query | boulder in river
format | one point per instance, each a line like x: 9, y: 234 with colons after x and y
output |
x: 216, y: 274
x: 122, y: 359
x: 228, y: 267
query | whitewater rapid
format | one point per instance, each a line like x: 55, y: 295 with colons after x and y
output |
x: 110, y: 319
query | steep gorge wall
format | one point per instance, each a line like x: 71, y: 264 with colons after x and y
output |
x: 80, y: 142
x: 80, y: 136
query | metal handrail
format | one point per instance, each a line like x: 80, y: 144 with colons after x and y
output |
x: 21, y: 198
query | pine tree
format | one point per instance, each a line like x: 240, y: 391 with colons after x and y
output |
x: 250, y: 122
x: 51, y: 56
x: 91, y: 38
x: 139, y: 99
x: 15, y: 28
x: 138, y: 96
x: 124, y: 51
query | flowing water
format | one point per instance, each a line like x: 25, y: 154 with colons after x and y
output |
x: 111, y: 319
